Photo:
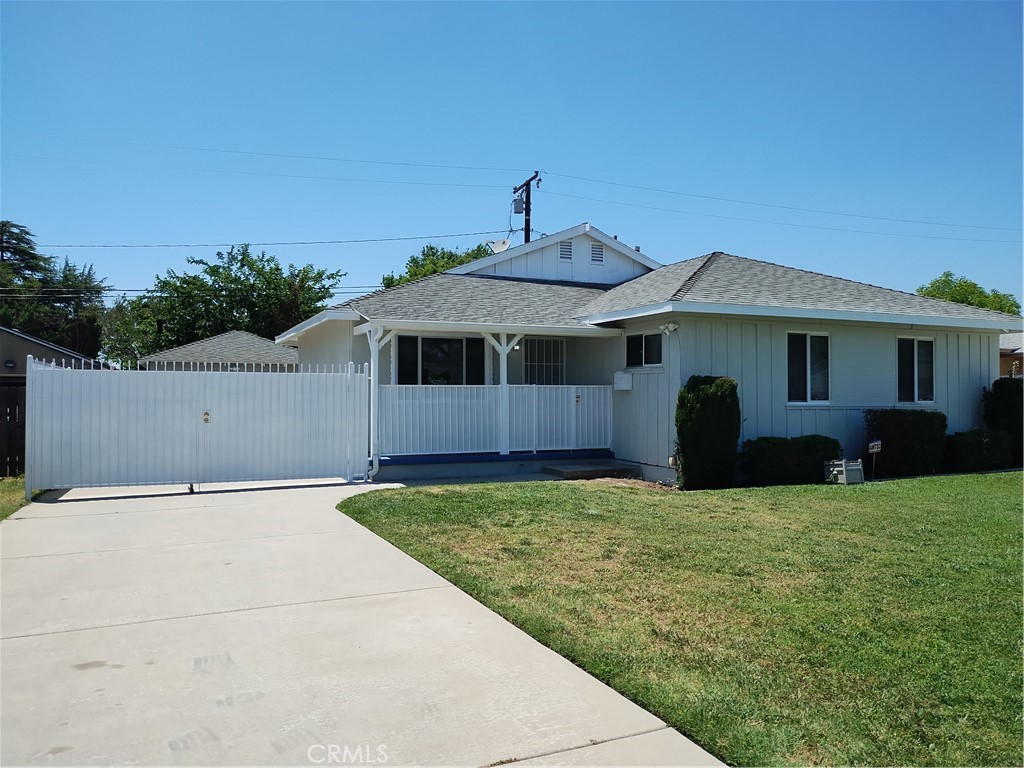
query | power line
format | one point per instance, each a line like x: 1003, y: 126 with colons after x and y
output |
x: 773, y: 205
x: 777, y: 223
x: 260, y: 173
x: 268, y: 244
x: 277, y: 154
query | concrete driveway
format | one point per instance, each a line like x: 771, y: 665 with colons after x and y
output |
x: 264, y: 627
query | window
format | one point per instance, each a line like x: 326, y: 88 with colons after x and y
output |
x: 544, y: 361
x: 643, y: 349
x: 439, y: 361
x: 915, y: 370
x: 565, y: 250
x: 596, y: 253
x: 808, y: 367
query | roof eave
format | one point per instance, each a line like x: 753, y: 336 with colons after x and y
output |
x: 800, y: 313
x: 441, y: 326
x: 291, y: 336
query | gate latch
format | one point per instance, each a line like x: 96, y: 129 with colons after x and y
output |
x: 577, y: 399
x: 206, y: 417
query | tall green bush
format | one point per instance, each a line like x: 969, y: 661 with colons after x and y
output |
x: 978, y: 450
x: 1003, y: 411
x: 789, y: 460
x: 707, y: 431
x: 913, y: 441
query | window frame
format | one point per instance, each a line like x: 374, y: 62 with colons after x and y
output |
x: 807, y: 366
x: 419, y: 358
x: 917, y: 400
x: 643, y: 350
x: 559, y: 342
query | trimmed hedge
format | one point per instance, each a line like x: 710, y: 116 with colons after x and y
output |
x: 1003, y: 411
x: 789, y: 460
x: 707, y: 431
x: 913, y: 441
x: 979, y: 450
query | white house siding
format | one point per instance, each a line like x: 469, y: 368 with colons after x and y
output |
x: 644, y: 417
x: 862, y: 373
x: 327, y: 343
x: 545, y: 264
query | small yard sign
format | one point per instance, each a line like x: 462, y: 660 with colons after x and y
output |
x: 875, y: 446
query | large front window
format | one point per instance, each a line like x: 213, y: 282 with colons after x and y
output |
x: 915, y: 374
x: 808, y: 367
x: 424, y: 360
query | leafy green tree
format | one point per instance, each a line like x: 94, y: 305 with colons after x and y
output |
x: 61, y: 304
x: 238, y: 290
x: 963, y: 291
x: 432, y: 260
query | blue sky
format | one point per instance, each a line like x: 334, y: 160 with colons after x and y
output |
x: 895, y: 110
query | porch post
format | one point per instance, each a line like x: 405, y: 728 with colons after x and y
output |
x: 376, y: 338
x: 504, y: 422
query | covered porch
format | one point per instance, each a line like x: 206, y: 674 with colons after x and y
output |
x: 449, y: 389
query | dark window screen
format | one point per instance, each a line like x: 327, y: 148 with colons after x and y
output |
x: 652, y: 349
x: 634, y: 351
x: 905, y: 370
x: 797, y: 343
x: 819, y: 367
x: 474, y: 361
x: 926, y: 370
x: 408, y: 360
x: 441, y: 361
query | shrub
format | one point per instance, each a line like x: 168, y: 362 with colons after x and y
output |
x: 707, y: 431
x: 913, y: 441
x: 789, y: 460
x: 1003, y: 411
x: 978, y: 450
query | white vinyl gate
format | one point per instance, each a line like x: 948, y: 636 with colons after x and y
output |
x: 102, y: 427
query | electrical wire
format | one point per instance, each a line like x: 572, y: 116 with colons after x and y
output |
x: 774, y: 205
x: 355, y: 241
x: 259, y: 173
x: 777, y: 223
x: 278, y: 154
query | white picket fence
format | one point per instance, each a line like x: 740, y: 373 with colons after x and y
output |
x: 443, y: 419
x: 103, y: 427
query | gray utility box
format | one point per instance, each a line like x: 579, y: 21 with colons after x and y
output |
x: 844, y: 472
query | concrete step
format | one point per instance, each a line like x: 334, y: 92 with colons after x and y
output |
x: 589, y: 470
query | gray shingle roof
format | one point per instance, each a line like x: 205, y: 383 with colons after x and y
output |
x: 479, y: 299
x: 720, y: 278
x: 230, y: 347
x: 1011, y: 342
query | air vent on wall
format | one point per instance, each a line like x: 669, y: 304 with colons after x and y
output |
x: 565, y: 250
x: 596, y: 253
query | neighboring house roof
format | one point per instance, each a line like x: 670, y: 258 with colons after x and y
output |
x: 55, y: 348
x: 452, y: 298
x: 230, y: 347
x: 1011, y: 343
x: 720, y: 282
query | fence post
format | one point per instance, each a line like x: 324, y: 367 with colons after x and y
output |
x: 29, y: 372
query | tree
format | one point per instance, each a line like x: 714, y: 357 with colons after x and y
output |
x: 238, y: 290
x: 60, y: 304
x: 432, y: 260
x: 964, y: 291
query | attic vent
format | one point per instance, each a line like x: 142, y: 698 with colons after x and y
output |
x: 565, y: 250
x: 596, y: 253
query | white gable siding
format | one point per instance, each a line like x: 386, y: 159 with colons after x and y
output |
x: 546, y: 264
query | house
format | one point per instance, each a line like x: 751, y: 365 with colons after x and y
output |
x: 15, y: 347
x: 576, y: 342
x: 1011, y: 354
x: 231, y: 351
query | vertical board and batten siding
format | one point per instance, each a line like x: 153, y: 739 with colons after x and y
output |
x: 545, y: 264
x: 89, y: 428
x: 862, y: 374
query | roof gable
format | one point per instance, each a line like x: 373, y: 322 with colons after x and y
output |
x: 489, y: 264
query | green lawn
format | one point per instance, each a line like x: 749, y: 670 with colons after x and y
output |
x: 873, y: 624
x: 12, y: 495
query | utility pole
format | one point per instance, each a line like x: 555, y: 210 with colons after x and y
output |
x: 525, y: 188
